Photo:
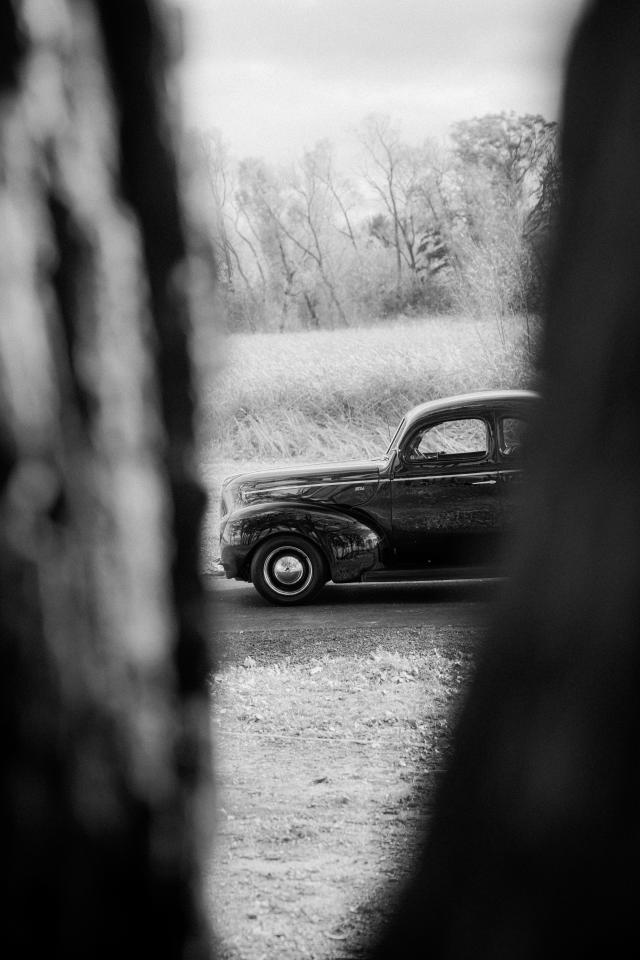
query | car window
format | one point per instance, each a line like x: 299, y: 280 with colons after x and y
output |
x: 451, y: 439
x: 511, y: 436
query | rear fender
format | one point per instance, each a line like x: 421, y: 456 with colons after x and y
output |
x: 350, y: 546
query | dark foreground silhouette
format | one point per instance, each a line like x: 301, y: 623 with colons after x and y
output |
x: 535, y: 836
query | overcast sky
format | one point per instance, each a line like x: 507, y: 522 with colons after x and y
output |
x: 275, y: 76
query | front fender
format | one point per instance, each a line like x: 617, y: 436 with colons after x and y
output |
x: 350, y: 546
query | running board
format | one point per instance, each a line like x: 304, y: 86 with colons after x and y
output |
x: 437, y: 573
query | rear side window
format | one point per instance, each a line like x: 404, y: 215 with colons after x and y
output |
x: 511, y: 437
x: 449, y: 440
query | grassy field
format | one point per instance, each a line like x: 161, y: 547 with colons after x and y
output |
x: 341, y: 393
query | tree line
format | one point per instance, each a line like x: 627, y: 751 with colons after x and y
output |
x: 419, y: 228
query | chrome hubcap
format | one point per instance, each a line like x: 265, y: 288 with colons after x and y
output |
x: 288, y: 571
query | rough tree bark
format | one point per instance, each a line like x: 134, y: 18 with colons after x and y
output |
x: 102, y: 681
x: 535, y: 843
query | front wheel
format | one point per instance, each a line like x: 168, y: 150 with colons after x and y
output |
x: 288, y: 569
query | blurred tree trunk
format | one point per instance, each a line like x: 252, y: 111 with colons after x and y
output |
x: 535, y: 842
x: 103, y: 700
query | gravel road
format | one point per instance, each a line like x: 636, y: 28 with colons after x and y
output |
x: 350, y: 619
x: 237, y: 606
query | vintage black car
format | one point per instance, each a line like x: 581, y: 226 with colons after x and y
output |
x: 435, y: 506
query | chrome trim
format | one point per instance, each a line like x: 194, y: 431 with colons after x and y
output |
x: 298, y: 486
x: 342, y: 483
x: 448, y: 476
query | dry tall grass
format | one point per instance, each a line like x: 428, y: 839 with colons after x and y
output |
x: 341, y: 393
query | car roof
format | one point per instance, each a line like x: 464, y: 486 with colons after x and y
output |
x: 480, y: 398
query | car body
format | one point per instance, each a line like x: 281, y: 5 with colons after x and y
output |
x: 437, y: 505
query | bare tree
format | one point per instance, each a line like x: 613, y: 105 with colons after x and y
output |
x: 506, y: 164
x: 262, y: 199
x: 311, y: 221
x: 291, y: 215
x: 217, y: 166
x: 320, y: 167
x: 229, y: 229
x: 384, y: 152
x: 407, y: 181
x: 513, y: 148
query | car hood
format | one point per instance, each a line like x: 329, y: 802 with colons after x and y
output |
x: 343, y: 482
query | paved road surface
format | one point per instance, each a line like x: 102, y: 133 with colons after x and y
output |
x: 237, y: 606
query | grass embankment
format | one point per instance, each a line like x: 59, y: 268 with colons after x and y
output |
x: 326, y: 767
x: 341, y: 393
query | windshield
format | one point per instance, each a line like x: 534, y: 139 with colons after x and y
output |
x: 395, y: 438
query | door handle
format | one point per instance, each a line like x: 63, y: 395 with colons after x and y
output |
x: 483, y: 483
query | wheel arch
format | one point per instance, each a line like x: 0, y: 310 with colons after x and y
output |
x: 349, y: 546
x: 314, y: 541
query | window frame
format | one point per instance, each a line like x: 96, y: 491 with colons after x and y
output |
x: 453, y: 458
x: 515, y: 456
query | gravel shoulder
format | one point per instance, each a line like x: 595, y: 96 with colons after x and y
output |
x: 329, y: 748
x: 267, y: 647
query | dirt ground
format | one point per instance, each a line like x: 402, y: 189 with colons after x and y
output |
x: 326, y: 768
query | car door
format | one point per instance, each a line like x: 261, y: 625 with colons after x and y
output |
x: 445, y: 494
x: 512, y: 427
